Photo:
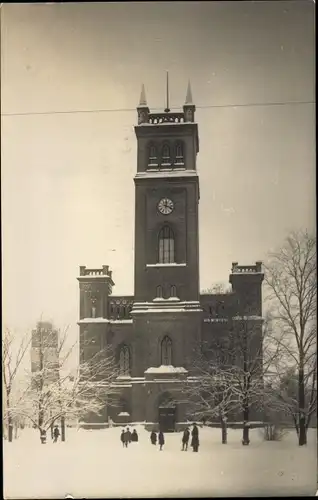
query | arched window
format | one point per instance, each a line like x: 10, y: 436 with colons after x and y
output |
x: 166, y: 351
x: 165, y: 155
x: 159, y: 291
x: 153, y: 156
x: 179, y: 153
x: 166, y: 245
x: 124, y: 360
x: 93, y: 312
x: 173, y: 291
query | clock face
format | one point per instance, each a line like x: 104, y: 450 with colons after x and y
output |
x: 165, y: 206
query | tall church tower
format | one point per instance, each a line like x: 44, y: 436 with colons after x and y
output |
x: 167, y: 204
x: 166, y: 311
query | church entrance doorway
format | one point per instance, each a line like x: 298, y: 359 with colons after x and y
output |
x: 167, y: 412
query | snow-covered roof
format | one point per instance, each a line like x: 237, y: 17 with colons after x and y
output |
x: 166, y: 369
x: 93, y: 320
x: 93, y: 276
x: 168, y: 264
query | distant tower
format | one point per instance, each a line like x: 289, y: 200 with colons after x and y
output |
x: 44, y: 351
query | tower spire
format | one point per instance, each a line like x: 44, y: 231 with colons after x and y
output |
x: 189, y: 94
x: 143, y: 100
x: 167, y: 94
x: 189, y: 106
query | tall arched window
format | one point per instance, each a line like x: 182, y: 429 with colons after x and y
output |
x: 179, y: 153
x: 166, y: 245
x: 173, y: 291
x: 159, y: 291
x: 165, y: 155
x: 166, y: 351
x: 124, y: 360
x: 153, y: 156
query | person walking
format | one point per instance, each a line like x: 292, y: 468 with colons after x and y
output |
x: 195, y: 438
x: 153, y: 437
x: 185, y: 439
x: 134, y: 436
x: 122, y: 437
x: 129, y: 435
x: 161, y: 440
x: 56, y: 434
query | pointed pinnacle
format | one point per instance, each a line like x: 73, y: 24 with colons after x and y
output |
x: 189, y: 95
x: 143, y: 100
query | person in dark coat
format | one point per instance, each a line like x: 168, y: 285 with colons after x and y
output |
x: 127, y: 437
x: 185, y: 439
x: 134, y: 436
x: 153, y: 437
x: 122, y: 437
x: 161, y: 440
x: 56, y: 434
x: 195, y: 438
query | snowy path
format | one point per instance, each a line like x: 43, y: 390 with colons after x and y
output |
x: 94, y: 464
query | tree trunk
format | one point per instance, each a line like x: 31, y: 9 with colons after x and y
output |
x: 246, y: 427
x: 302, y: 436
x: 10, y: 428
x: 43, y: 436
x: 62, y: 428
x: 224, y: 432
x: 9, y: 419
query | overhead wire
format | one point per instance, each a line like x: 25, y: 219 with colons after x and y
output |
x: 118, y: 110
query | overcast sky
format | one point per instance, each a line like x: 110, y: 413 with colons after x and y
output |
x: 67, y: 179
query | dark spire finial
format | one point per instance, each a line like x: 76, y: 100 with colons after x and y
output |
x: 167, y: 96
x: 189, y: 95
x: 143, y: 100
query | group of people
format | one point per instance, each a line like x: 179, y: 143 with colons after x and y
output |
x: 161, y: 439
x: 127, y: 437
x: 194, y: 438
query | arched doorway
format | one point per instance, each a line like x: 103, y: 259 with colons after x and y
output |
x: 167, y: 413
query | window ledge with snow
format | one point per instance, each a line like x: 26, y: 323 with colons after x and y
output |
x: 248, y: 317
x: 170, y: 299
x: 122, y: 321
x: 166, y: 369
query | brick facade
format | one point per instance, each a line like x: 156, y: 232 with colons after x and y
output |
x: 166, y: 320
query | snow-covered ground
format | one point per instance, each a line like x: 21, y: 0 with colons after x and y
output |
x: 94, y: 464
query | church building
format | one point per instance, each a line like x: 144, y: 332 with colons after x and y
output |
x: 157, y: 332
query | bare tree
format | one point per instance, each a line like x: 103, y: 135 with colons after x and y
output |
x: 13, y: 355
x: 58, y: 392
x: 229, y: 378
x: 291, y: 280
